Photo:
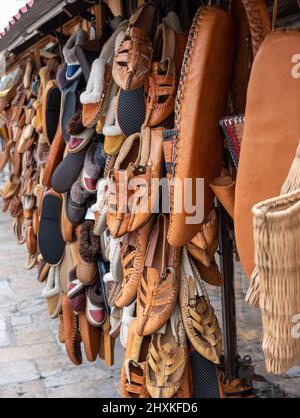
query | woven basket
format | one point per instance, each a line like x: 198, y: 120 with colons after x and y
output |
x: 277, y: 257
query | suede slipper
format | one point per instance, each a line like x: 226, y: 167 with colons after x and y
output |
x: 66, y: 266
x: 71, y: 332
x: 90, y: 337
x: 75, y: 126
x: 53, y: 293
x: 75, y: 211
x: 67, y: 172
x: 50, y: 240
x: 73, y: 66
x: 91, y: 170
x: 75, y: 288
x: 95, y: 311
x: 80, y: 141
x: 89, y: 244
x: 43, y: 150
x: 114, y: 137
x: 99, y: 208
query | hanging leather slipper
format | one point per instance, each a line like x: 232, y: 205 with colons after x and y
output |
x: 166, y: 359
x: 90, y: 337
x: 200, y: 321
x: 51, y: 110
x: 50, y: 240
x: 131, y: 110
x: 158, y: 288
x: 53, y: 292
x: 133, y: 252
x: 71, y: 332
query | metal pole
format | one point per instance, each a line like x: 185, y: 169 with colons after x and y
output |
x: 228, y: 294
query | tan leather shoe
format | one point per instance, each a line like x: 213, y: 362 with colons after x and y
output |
x: 166, y: 360
x: 86, y: 272
x: 133, y: 374
x: 132, y: 259
x: 159, y: 283
x: 210, y: 275
x: 224, y: 189
x: 200, y: 321
x: 140, y: 157
x: 90, y: 337
x: 133, y: 58
x: 204, y: 245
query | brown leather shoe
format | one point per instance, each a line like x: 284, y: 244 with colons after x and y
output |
x: 166, y: 361
x: 90, y: 337
x: 71, y: 333
x: 204, y: 245
x: 200, y: 321
x: 133, y: 58
x: 132, y: 259
x: 133, y: 374
x: 141, y: 157
x: 159, y: 282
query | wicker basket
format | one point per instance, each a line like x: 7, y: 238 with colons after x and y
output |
x: 277, y: 258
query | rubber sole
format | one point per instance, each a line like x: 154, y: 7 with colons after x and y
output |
x: 50, y: 239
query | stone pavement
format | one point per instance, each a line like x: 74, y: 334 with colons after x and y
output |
x: 32, y: 361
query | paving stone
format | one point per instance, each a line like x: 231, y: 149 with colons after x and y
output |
x: 18, y: 371
x: 5, y: 289
x: 20, y: 320
x: 28, y: 352
x: 34, y: 389
x: 32, y: 338
x: 5, y: 334
x: 100, y: 389
x: 76, y: 375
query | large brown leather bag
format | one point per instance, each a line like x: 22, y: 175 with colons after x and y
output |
x: 271, y: 133
x: 201, y: 101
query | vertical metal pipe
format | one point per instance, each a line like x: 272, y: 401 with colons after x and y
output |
x: 228, y: 295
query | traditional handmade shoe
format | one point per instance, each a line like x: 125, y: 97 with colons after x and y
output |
x: 43, y: 270
x: 133, y: 252
x: 5, y: 154
x: 55, y: 156
x: 140, y: 156
x: 99, y: 84
x: 204, y: 245
x: 90, y: 337
x: 91, y: 170
x: 133, y: 57
x: 99, y: 208
x: 133, y: 374
x: 43, y: 150
x: 53, y: 292
x: 73, y: 70
x: 114, y: 137
x: 95, y: 311
x: 211, y: 275
x: 75, y: 126
x: 158, y: 287
x: 71, y: 332
x: 51, y: 110
x: 128, y: 316
x: 80, y: 141
x: 163, y: 79
x: 166, y: 359
x: 224, y: 189
x: 75, y: 286
x: 86, y: 272
x: 200, y: 321
x: 50, y: 240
